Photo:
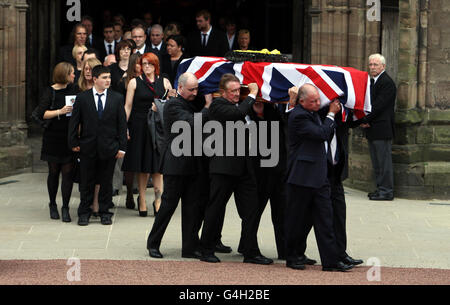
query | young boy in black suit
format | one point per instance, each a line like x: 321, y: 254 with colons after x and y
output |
x: 99, y: 115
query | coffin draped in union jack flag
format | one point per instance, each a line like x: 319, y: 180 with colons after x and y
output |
x: 351, y: 86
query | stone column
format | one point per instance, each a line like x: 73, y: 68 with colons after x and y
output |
x: 15, y: 155
x: 422, y: 153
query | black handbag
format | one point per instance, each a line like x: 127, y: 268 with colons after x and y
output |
x: 36, y: 117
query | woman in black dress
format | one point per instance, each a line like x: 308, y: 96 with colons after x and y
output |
x: 55, y: 149
x: 141, y: 156
x: 171, y: 60
x: 123, y: 53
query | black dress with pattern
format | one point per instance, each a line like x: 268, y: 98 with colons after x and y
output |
x: 141, y: 156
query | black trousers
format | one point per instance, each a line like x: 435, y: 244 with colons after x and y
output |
x: 304, y: 204
x: 245, y: 196
x: 185, y: 188
x: 95, y: 170
x: 271, y: 187
x: 339, y: 219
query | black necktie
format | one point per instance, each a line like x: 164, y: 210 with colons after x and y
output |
x: 110, y: 49
x: 204, y: 40
x: 372, y: 84
x: 100, y: 105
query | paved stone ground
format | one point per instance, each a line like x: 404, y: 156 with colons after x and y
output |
x: 398, y: 234
x: 402, y: 233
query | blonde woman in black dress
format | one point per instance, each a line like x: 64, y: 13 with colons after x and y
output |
x: 55, y: 149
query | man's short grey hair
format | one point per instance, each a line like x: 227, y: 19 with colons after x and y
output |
x: 157, y: 27
x: 183, y: 79
x: 379, y: 57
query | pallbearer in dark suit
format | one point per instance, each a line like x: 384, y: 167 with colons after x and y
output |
x: 232, y: 174
x: 101, y: 115
x: 181, y: 173
x: 337, y: 173
x: 308, y: 189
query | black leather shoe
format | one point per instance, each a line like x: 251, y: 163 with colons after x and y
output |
x: 379, y: 197
x: 106, y: 219
x: 221, y: 248
x: 375, y: 193
x: 115, y: 193
x: 153, y: 252
x: 295, y: 265
x: 351, y: 261
x: 83, y: 220
x: 340, y: 266
x: 307, y: 261
x: 195, y: 255
x: 210, y: 258
x: 54, y: 214
x: 259, y: 260
x: 130, y: 204
x: 65, y: 215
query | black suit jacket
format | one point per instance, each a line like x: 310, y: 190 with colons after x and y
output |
x: 382, y: 117
x: 217, y: 44
x: 166, y: 68
x: 178, y: 109
x: 307, y: 162
x: 271, y: 114
x: 223, y: 111
x: 103, y: 52
x: 96, y: 42
x: 99, y: 137
x: 340, y: 170
x: 65, y: 55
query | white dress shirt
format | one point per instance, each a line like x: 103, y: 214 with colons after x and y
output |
x: 142, y: 50
x: 207, y: 35
x: 158, y: 46
x: 107, y: 48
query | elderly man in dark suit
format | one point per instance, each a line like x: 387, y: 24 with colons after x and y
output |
x: 208, y: 41
x: 100, y: 115
x: 379, y: 126
x: 308, y: 188
x: 231, y: 173
x: 181, y: 173
x: 337, y: 173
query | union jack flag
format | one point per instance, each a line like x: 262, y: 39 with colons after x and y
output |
x: 350, y: 86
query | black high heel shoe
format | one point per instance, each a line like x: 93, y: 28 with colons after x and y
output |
x: 141, y: 213
x: 155, y: 212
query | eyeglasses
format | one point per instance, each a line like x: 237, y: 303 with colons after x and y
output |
x: 146, y: 64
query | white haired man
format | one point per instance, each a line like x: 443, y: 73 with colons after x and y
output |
x: 379, y: 127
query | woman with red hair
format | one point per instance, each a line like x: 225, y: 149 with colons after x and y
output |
x: 141, y: 157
